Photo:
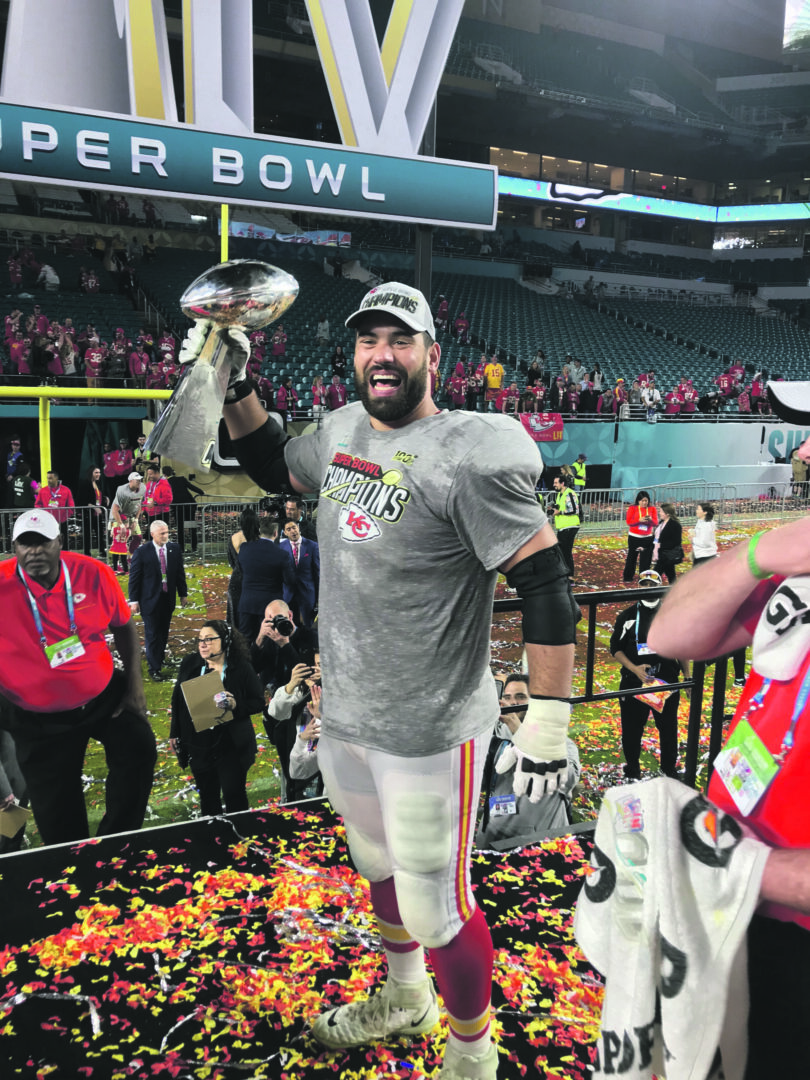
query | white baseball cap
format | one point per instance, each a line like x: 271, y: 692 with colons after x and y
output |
x: 36, y: 521
x: 134, y: 476
x: 406, y: 303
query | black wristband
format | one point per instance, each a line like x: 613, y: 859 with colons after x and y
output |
x: 239, y: 391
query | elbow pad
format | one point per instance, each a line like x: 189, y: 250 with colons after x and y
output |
x: 261, y: 455
x: 550, y: 613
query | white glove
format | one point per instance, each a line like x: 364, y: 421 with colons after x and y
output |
x: 539, y: 751
x: 233, y: 337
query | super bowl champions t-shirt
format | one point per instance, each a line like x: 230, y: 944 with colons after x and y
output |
x: 412, y: 525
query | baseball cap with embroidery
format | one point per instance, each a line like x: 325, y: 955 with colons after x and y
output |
x: 134, y: 476
x: 36, y: 521
x: 404, y: 302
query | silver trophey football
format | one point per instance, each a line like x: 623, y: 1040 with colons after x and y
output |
x: 243, y: 293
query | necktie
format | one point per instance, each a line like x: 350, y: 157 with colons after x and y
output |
x: 295, y: 553
x: 162, y: 557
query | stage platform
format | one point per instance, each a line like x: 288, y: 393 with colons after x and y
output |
x: 204, y: 949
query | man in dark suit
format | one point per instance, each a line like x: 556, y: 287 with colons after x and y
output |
x: 156, y: 579
x: 307, y: 561
x: 268, y: 574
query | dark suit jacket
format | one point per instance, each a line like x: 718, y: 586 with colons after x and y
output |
x: 308, y: 570
x: 268, y: 574
x: 145, y: 580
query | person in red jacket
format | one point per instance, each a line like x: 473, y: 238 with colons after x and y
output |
x: 158, y: 496
x: 336, y: 394
x: 462, y: 328
x: 57, y: 499
x: 642, y: 519
x: 673, y: 402
x: 94, y: 358
x: 138, y: 367
x: 287, y: 399
x: 457, y: 387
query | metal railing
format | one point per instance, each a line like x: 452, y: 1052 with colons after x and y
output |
x: 603, y: 510
x: 592, y: 601
x: 202, y: 529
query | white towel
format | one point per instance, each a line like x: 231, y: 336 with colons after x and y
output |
x: 663, y: 917
x: 782, y: 637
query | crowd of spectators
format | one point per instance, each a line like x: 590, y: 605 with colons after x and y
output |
x: 582, y: 389
x: 44, y: 351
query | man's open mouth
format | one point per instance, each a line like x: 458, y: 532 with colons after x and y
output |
x: 383, y: 382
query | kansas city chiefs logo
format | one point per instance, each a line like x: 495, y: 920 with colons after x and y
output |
x: 539, y: 425
x: 356, y: 525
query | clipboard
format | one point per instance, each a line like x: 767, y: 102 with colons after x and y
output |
x: 199, y: 695
x: 12, y: 820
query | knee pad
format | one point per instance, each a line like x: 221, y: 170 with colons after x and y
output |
x: 420, y: 834
x: 421, y: 841
x: 423, y: 906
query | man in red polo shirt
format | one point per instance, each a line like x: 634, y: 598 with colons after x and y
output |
x: 61, y: 686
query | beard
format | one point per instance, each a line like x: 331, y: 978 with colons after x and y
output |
x: 400, y: 405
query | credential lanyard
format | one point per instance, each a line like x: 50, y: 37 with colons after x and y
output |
x: 35, y: 610
x: 799, y: 705
x: 642, y: 648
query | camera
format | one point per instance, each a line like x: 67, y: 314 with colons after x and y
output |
x: 282, y: 625
x: 272, y: 506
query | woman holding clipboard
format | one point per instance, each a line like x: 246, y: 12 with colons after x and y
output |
x: 216, y: 694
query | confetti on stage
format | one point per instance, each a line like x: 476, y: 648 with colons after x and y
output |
x: 205, y: 949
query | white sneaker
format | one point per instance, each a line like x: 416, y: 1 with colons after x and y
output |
x: 458, y: 1066
x: 394, y: 1010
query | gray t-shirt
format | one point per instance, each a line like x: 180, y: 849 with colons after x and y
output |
x: 129, y: 501
x: 412, y: 525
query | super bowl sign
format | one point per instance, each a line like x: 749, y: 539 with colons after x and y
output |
x: 108, y: 118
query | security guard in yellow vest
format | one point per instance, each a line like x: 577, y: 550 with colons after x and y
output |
x: 578, y: 469
x: 566, y: 518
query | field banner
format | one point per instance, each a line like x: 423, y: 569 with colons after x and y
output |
x: 543, y: 426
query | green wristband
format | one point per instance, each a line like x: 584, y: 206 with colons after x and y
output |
x: 753, y: 565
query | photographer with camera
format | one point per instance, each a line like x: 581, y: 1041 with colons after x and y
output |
x: 279, y: 646
x: 292, y: 721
